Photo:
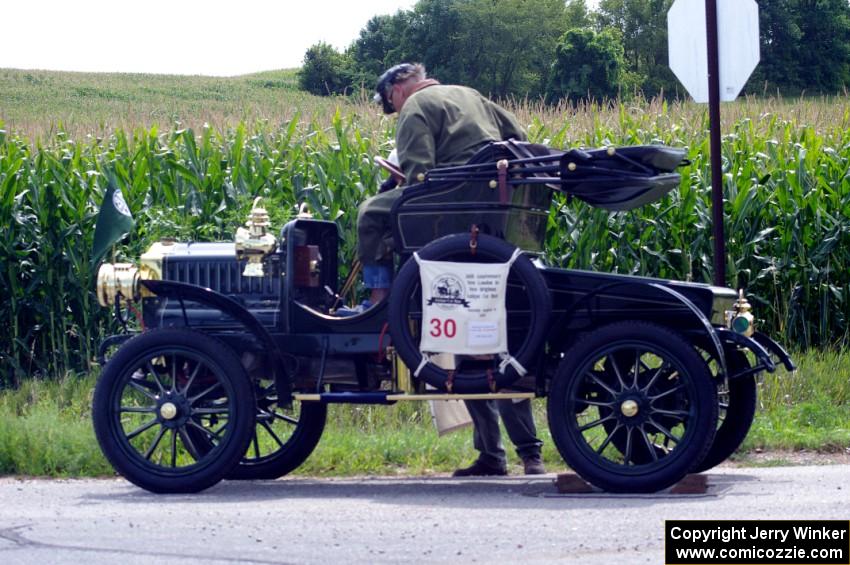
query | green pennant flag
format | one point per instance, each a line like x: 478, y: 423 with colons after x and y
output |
x: 113, y: 222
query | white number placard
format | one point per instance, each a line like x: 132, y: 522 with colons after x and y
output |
x: 463, y: 307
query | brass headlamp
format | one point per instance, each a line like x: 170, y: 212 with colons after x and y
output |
x: 740, y: 320
x: 123, y: 279
x: 117, y: 279
x: 253, y: 242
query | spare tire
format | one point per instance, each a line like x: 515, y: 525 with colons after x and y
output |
x: 525, y: 281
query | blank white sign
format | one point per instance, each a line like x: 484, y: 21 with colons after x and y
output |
x: 738, y: 45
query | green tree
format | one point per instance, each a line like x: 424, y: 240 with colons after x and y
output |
x: 325, y: 71
x: 507, y: 45
x: 643, y: 25
x: 805, y: 46
x: 380, y: 45
x: 824, y: 57
x: 500, y: 47
x: 432, y: 38
x: 576, y: 15
x: 780, y: 37
x: 587, y: 64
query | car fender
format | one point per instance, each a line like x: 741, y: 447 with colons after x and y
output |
x: 764, y: 348
x: 704, y: 324
x: 184, y: 291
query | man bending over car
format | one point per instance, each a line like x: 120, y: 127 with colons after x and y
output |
x: 442, y: 125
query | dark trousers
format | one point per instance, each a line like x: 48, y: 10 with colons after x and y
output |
x: 519, y: 422
x: 374, y: 232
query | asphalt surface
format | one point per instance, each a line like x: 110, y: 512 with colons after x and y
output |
x: 411, y: 520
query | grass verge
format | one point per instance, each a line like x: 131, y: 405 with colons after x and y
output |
x: 45, y: 428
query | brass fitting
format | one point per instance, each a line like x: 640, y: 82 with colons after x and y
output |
x: 741, y: 320
x: 253, y: 242
x: 115, y: 279
x: 124, y: 278
x: 401, y: 377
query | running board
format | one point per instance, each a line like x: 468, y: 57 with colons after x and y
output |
x: 393, y: 397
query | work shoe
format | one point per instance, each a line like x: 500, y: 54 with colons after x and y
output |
x: 534, y: 466
x: 481, y: 469
x: 347, y: 311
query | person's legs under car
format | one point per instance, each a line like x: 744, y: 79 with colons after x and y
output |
x: 519, y: 423
x: 487, y: 439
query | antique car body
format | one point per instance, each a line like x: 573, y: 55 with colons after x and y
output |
x: 592, y: 342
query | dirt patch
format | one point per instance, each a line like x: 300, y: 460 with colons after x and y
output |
x: 759, y: 458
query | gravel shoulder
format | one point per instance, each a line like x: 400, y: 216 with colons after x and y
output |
x: 761, y: 458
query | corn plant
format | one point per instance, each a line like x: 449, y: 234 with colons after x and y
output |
x: 787, y: 204
x: 785, y: 183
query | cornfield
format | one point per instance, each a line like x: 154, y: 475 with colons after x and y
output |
x: 785, y: 180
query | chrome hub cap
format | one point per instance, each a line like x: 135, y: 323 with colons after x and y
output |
x: 168, y: 411
x: 629, y: 408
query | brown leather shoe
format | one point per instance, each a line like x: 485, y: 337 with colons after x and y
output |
x: 480, y: 469
x: 534, y: 466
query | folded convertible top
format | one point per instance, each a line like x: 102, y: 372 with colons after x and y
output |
x: 615, y: 179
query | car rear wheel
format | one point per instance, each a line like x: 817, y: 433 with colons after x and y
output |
x: 283, y: 438
x: 737, y: 400
x: 632, y: 407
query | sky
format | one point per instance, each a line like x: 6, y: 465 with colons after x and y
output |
x: 203, y: 37
x: 206, y: 37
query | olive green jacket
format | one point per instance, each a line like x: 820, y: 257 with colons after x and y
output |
x: 442, y: 125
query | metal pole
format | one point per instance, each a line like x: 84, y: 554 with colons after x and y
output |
x: 716, y: 162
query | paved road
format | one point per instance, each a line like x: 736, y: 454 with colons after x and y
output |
x: 427, y: 520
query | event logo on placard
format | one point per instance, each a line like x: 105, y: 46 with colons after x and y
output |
x: 448, y: 291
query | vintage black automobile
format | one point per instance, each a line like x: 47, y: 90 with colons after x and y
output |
x: 239, y: 351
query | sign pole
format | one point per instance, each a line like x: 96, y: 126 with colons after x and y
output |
x: 714, y: 143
